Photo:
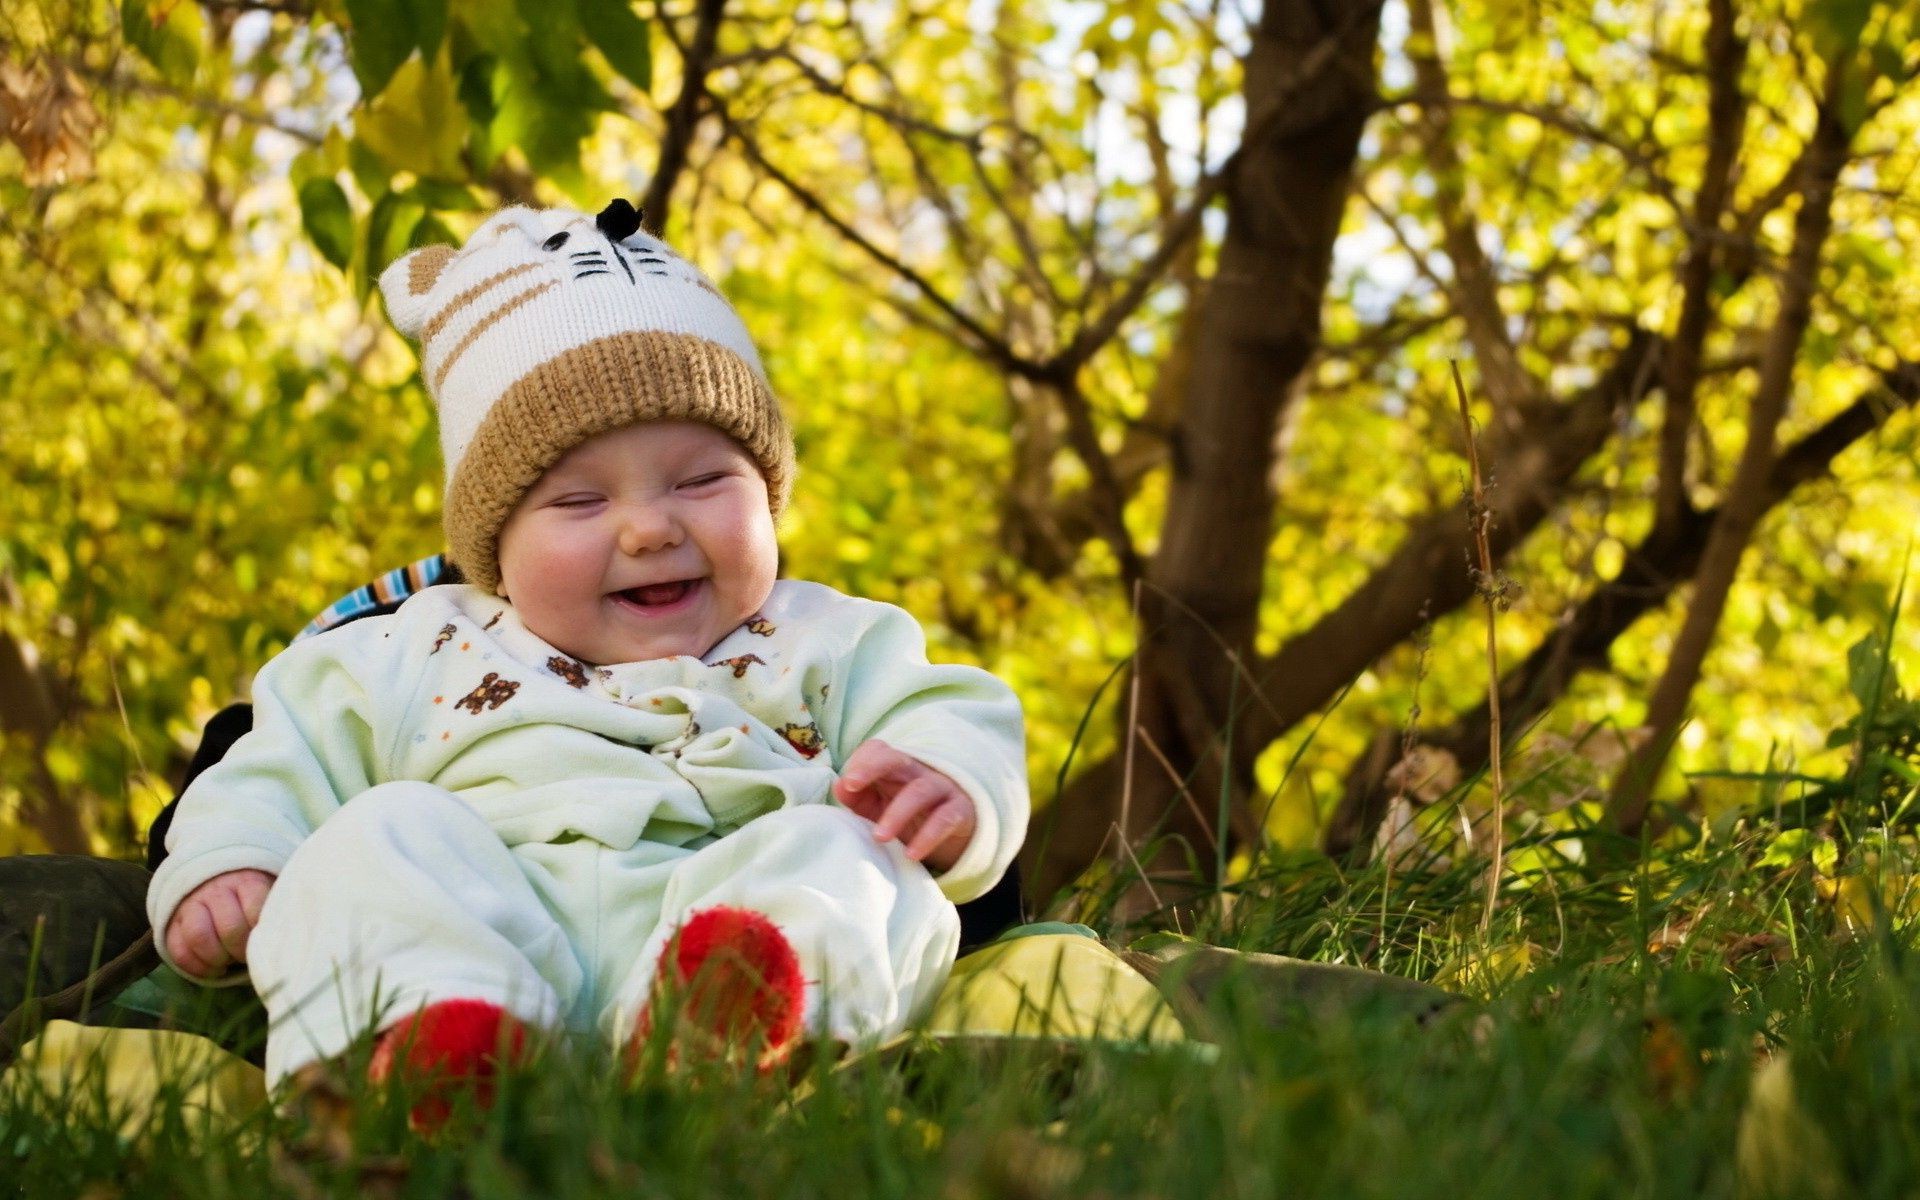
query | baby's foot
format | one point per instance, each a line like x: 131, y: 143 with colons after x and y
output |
x: 447, y: 1048
x: 732, y: 984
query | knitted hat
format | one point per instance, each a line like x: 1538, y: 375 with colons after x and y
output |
x: 550, y: 327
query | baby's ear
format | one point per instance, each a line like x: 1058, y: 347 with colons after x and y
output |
x: 408, y: 283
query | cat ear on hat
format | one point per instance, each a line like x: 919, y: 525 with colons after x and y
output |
x: 407, y: 284
x: 619, y: 219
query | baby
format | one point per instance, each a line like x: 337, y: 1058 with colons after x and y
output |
x: 541, y: 799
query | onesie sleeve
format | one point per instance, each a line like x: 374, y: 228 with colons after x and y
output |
x: 959, y: 720
x: 316, y: 742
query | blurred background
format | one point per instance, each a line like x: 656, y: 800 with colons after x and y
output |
x: 1104, y: 327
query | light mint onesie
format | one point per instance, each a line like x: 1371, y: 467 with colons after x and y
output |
x: 454, y: 808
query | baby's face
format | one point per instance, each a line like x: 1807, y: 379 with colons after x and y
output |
x: 645, y: 542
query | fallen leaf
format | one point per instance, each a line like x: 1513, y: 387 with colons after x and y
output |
x: 1780, y: 1150
x: 49, y: 116
x: 1673, y: 1067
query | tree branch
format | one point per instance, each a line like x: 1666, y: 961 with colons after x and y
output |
x: 1726, y: 118
x: 977, y: 338
x: 1742, y: 505
x: 1553, y: 118
x: 1532, y: 464
x: 1662, y: 561
x: 1259, y: 328
x: 1282, y: 116
x: 1110, y: 498
x: 683, y: 117
x: 1476, y: 290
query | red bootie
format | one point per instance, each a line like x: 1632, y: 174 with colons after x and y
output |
x: 448, y: 1047
x: 734, y: 983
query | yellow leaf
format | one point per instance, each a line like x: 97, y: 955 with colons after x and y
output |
x: 1780, y: 1150
x: 1482, y: 971
x: 1052, y: 985
x: 1858, y: 899
x: 128, y: 1075
x: 417, y: 123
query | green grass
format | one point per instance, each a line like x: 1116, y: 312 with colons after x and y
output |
x: 1733, y: 1014
x: 1604, y: 1069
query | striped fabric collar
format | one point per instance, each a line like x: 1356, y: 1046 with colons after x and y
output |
x: 382, y: 595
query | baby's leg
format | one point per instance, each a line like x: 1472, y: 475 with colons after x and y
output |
x: 405, y: 897
x: 874, y: 936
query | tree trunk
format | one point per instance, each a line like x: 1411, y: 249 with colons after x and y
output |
x: 1260, y: 324
x: 26, y: 709
x: 1532, y: 466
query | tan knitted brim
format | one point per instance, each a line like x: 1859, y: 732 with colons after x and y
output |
x: 599, y: 386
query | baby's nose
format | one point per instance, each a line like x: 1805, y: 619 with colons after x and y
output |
x: 646, y: 527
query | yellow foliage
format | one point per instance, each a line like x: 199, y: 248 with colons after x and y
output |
x: 1860, y: 900
x: 1481, y: 970
x: 129, y: 1077
x: 209, y: 437
x: 1052, y: 985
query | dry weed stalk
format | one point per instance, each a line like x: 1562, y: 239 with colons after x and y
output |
x: 1492, y: 591
x: 1133, y: 726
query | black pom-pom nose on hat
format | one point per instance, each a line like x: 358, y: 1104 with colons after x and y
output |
x: 618, y: 220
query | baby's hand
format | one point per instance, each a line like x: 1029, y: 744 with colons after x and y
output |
x: 208, y: 932
x: 898, y: 792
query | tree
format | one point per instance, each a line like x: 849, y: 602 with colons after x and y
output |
x: 1183, y: 287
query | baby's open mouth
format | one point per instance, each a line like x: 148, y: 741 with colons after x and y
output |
x: 659, y: 595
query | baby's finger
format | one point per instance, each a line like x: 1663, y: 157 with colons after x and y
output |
x: 865, y: 804
x: 230, y: 924
x: 193, y: 942
x: 909, y: 804
x: 944, y: 822
x: 854, y: 794
x: 178, y: 948
x: 253, y: 897
x: 874, y: 762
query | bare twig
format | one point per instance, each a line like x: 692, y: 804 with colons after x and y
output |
x: 1492, y: 597
x: 1133, y: 733
x: 1180, y: 785
x: 1141, y: 870
x: 123, y: 81
x: 905, y: 122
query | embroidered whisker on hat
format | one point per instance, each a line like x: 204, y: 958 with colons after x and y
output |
x: 550, y: 327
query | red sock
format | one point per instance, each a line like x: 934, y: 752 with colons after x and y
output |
x: 450, y: 1046
x: 737, y: 981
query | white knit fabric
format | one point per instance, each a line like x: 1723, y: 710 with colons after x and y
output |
x: 530, y: 304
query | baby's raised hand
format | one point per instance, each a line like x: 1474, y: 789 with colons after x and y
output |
x: 899, y: 793
x: 208, y: 932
